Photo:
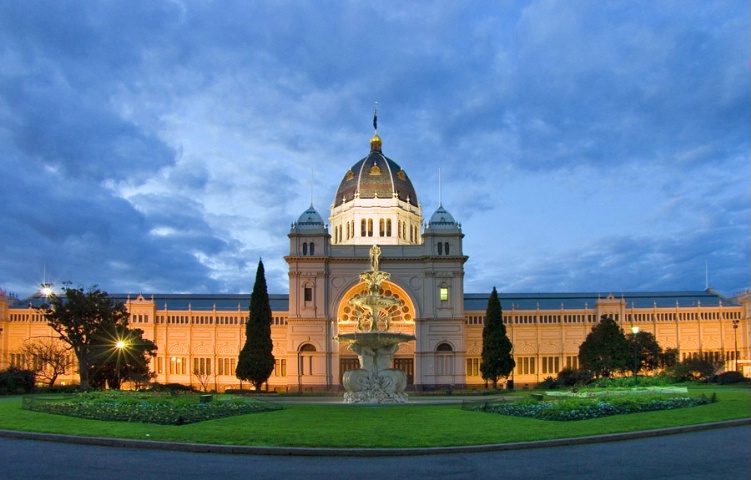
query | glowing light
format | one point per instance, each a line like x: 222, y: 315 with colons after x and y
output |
x: 46, y: 289
x: 120, y: 344
x: 635, y: 330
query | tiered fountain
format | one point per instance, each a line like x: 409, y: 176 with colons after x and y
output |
x: 375, y: 381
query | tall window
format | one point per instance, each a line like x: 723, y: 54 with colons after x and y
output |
x: 363, y: 227
x: 446, y: 247
x: 444, y: 293
x: 308, y: 294
x: 440, y: 248
x: 312, y: 248
x: 306, y: 359
x: 388, y: 227
x: 304, y: 248
x: 370, y: 227
x: 444, y: 364
x: 381, y: 227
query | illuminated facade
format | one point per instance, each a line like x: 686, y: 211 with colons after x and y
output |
x: 377, y: 204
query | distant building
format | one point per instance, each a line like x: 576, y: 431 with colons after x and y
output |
x: 376, y: 203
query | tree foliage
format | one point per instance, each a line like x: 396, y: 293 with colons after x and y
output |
x: 113, y: 365
x: 605, y: 350
x: 92, y: 323
x: 648, y: 353
x: 497, y: 361
x: 256, y: 361
x: 48, y: 357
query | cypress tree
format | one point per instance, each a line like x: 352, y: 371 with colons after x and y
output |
x: 497, y: 360
x: 256, y: 360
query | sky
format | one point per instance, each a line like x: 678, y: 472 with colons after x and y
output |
x: 166, y: 146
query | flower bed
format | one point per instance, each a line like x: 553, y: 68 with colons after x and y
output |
x: 568, y: 409
x: 164, y: 409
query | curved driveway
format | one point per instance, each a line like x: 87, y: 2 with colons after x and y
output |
x: 719, y: 453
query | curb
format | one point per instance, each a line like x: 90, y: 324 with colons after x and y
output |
x: 361, y: 452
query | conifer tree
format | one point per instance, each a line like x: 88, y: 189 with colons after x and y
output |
x: 256, y: 360
x: 497, y: 361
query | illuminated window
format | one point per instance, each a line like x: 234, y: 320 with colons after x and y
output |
x: 444, y: 293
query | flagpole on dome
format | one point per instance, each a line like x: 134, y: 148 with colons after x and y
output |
x: 375, y: 142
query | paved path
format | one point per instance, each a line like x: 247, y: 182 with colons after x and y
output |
x: 723, y: 453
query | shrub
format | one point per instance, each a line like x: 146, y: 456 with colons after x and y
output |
x: 729, y: 377
x: 171, y: 387
x: 549, y: 383
x: 694, y: 369
x: 571, y: 377
x: 14, y: 381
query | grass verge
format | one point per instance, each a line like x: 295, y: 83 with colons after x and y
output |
x: 357, y: 426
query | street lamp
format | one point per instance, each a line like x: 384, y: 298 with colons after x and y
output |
x: 635, y: 330
x: 120, y: 345
x: 735, y: 338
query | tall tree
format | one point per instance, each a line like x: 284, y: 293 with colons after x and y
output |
x: 79, y: 317
x: 497, y: 361
x: 605, y: 350
x: 256, y: 361
x: 120, y: 354
x: 648, y: 352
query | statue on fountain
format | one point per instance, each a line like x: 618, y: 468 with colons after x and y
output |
x: 375, y: 381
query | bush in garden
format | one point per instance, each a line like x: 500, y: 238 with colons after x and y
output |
x: 730, y: 377
x: 571, y: 377
x: 549, y: 383
x: 14, y: 381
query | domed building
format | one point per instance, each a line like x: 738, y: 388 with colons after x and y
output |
x: 376, y: 204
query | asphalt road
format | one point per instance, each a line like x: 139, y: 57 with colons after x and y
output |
x: 723, y: 453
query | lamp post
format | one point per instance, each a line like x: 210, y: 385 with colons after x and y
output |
x: 735, y: 340
x: 119, y: 345
x: 635, y: 330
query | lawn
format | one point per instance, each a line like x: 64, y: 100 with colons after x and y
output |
x: 399, y: 426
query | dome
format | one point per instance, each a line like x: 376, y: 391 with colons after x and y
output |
x: 310, y: 220
x: 375, y: 176
x: 442, y: 219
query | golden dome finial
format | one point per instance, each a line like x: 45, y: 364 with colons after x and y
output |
x: 375, y: 142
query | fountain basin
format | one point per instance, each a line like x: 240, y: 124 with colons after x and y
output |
x: 375, y: 340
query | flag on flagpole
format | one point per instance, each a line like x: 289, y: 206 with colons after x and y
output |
x: 375, y: 117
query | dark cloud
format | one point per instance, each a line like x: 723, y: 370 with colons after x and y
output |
x: 167, y: 146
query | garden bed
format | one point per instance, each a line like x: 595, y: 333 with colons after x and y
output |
x: 584, y: 408
x: 163, y: 409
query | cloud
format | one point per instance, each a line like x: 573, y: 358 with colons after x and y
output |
x: 166, y: 146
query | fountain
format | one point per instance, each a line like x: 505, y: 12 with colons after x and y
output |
x: 375, y: 381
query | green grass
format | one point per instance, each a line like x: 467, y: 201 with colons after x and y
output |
x: 401, y: 426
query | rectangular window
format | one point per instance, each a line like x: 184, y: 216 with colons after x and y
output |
x: 280, y: 367
x: 308, y: 295
x: 444, y: 293
x: 473, y: 367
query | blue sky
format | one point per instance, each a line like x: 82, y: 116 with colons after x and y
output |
x: 166, y: 146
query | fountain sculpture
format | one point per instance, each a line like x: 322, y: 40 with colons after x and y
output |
x: 375, y: 381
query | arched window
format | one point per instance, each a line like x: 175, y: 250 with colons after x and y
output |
x: 381, y: 227
x: 444, y: 359
x: 388, y: 227
x: 363, y: 227
x: 370, y: 227
x: 304, y: 248
x: 440, y: 248
x: 446, y: 247
x: 313, y: 248
x: 305, y: 355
